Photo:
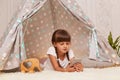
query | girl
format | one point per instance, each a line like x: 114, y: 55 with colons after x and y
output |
x: 60, y: 55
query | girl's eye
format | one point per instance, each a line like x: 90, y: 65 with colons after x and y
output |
x: 61, y: 43
x: 67, y: 43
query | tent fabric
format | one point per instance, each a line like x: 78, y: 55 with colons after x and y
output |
x: 31, y: 30
x: 10, y: 59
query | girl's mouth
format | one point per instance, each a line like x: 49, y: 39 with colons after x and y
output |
x: 65, y: 49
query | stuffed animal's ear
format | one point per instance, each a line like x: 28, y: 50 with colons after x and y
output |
x: 27, y: 64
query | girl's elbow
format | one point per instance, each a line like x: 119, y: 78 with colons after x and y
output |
x: 56, y: 69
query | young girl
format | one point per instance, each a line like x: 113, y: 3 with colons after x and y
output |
x: 60, y: 54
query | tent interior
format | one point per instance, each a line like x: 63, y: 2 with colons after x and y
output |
x: 45, y: 21
x: 29, y: 34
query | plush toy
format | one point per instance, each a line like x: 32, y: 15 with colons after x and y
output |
x: 30, y: 65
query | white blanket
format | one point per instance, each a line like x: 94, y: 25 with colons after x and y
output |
x: 88, y: 74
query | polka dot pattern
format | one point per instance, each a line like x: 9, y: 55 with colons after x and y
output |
x: 40, y: 26
x: 43, y: 23
x: 39, y: 31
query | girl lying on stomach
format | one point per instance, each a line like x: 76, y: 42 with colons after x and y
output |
x: 60, y: 55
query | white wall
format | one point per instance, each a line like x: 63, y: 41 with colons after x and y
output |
x: 7, y: 11
x: 103, y: 13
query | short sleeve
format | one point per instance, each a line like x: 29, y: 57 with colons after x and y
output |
x: 52, y: 51
x: 71, y: 54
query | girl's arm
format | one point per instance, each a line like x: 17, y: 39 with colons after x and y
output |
x: 57, y: 67
x: 77, y: 66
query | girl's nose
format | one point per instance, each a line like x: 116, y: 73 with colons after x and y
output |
x: 65, y: 45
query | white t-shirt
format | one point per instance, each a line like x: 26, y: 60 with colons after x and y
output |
x: 63, y: 63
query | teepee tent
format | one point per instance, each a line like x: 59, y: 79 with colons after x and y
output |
x: 29, y: 34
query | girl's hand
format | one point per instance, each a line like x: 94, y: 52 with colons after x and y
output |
x: 78, y: 67
x: 71, y: 69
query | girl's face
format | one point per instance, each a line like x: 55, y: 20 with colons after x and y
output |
x: 62, y: 47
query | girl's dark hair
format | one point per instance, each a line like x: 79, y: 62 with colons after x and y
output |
x: 61, y: 35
